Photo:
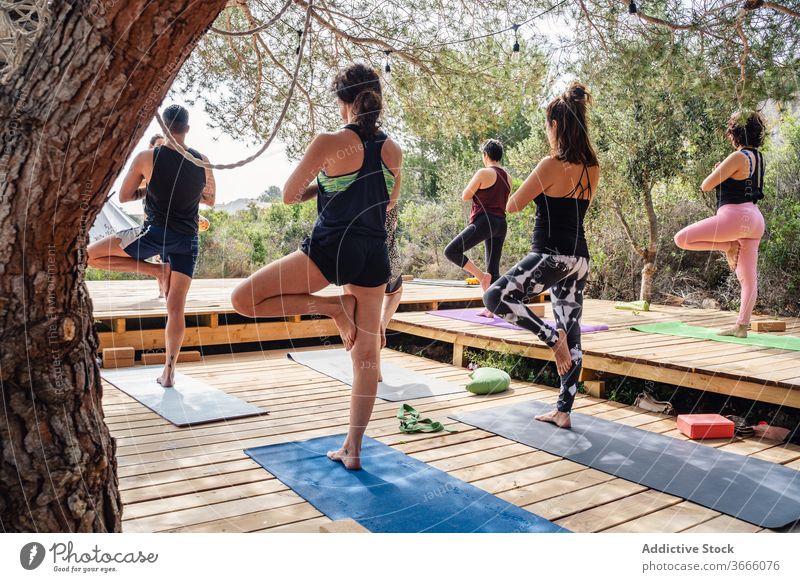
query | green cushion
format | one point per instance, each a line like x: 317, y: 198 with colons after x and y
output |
x: 488, y: 381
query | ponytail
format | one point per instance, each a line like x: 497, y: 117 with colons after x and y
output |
x: 359, y: 86
x: 568, y: 111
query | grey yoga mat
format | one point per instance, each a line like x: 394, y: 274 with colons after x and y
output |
x: 756, y: 491
x: 188, y: 402
x: 398, y: 383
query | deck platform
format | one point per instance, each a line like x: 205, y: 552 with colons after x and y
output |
x: 200, y: 480
x: 130, y: 313
x: 762, y: 374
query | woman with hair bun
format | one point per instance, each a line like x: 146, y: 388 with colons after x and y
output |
x: 354, y: 173
x: 562, y: 186
x: 738, y: 225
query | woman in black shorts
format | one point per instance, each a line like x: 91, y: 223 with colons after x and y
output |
x: 354, y: 173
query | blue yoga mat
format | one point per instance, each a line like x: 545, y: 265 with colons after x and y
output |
x: 393, y: 493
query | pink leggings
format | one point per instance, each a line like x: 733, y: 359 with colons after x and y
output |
x: 733, y: 222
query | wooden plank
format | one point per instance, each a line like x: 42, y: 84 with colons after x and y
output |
x: 343, y: 526
x: 150, y: 359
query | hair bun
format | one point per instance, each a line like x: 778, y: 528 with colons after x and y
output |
x: 577, y: 93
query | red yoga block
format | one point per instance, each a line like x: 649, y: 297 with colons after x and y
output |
x: 705, y: 426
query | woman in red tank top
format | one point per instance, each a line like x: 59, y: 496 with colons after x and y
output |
x: 489, y: 190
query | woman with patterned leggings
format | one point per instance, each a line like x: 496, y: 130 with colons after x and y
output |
x: 561, y: 186
x: 737, y: 227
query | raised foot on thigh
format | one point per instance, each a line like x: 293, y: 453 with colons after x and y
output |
x: 562, y: 355
x: 345, y: 320
x: 163, y: 279
x: 349, y: 458
x: 560, y: 419
x: 732, y: 254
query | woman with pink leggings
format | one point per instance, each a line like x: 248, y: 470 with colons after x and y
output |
x: 738, y: 226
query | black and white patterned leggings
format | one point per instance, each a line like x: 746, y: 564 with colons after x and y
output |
x: 565, y: 276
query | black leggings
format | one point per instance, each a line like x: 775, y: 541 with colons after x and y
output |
x: 565, y: 276
x: 488, y: 228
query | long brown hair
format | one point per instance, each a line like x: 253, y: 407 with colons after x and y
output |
x: 568, y: 111
x: 360, y: 86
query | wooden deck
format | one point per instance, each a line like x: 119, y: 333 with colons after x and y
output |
x: 200, y: 480
x: 121, y: 307
x: 763, y: 374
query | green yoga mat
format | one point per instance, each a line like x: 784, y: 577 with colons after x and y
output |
x: 764, y: 340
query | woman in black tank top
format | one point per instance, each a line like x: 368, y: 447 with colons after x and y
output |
x: 354, y: 174
x: 561, y: 187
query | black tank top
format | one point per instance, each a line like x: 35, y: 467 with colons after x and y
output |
x: 174, y: 190
x: 558, y: 229
x: 751, y: 189
x: 354, y: 204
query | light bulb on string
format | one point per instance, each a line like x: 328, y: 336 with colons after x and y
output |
x: 388, y: 67
x: 632, y: 8
x: 515, y: 49
x: 299, y: 41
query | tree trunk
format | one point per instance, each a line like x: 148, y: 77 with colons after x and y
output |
x: 649, y: 254
x: 71, y: 113
x: 648, y: 272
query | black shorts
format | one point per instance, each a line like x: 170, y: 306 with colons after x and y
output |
x: 354, y: 260
x: 394, y: 285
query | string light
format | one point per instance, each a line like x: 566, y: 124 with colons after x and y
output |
x: 515, y: 27
x: 388, y: 67
x: 632, y: 8
x: 299, y: 41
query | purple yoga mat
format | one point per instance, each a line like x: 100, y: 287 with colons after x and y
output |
x: 471, y: 316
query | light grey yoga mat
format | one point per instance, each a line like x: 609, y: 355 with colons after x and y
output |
x: 398, y: 383
x: 766, y: 494
x: 188, y: 402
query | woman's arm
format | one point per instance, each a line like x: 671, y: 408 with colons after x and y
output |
x: 536, y: 183
x: 478, y: 181
x: 297, y: 189
x: 729, y: 166
x: 393, y: 161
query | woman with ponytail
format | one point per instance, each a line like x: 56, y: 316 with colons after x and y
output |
x: 562, y: 186
x: 354, y: 173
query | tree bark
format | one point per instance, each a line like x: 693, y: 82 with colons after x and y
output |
x: 650, y: 252
x: 71, y: 114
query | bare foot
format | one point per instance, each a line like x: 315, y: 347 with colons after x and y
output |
x: 737, y: 330
x: 163, y: 280
x: 167, y: 378
x: 485, y: 281
x: 486, y: 313
x: 560, y: 419
x: 732, y: 254
x: 350, y: 459
x: 561, y: 351
x: 346, y: 321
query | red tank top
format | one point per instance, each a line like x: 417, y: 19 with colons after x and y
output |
x: 492, y: 199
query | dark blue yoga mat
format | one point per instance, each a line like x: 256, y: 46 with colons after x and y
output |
x: 393, y: 493
x: 766, y: 494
